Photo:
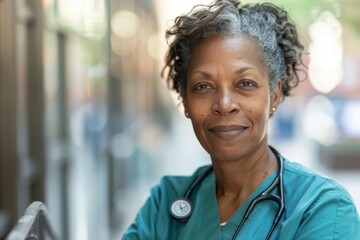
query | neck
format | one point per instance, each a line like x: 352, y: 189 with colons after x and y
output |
x: 238, y: 179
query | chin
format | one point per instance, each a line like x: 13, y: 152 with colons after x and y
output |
x: 234, y: 152
x: 226, y: 157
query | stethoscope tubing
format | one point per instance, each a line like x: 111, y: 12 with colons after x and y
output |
x: 197, y: 182
x: 263, y: 196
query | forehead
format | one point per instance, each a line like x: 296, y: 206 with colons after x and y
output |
x: 216, y: 49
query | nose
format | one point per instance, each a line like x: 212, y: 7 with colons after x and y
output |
x: 225, y: 103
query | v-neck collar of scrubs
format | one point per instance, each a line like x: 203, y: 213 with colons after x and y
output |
x: 208, y: 207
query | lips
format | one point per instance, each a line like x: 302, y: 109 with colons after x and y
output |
x: 227, y: 133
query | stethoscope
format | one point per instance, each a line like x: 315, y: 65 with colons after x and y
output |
x: 181, y: 208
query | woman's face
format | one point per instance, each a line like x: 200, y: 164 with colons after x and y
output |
x: 228, y: 97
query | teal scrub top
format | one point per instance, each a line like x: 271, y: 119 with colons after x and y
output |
x: 316, y: 208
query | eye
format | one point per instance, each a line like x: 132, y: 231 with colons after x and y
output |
x: 247, y: 84
x: 202, y: 87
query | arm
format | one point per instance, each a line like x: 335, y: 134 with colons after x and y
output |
x: 145, y: 223
x: 332, y: 216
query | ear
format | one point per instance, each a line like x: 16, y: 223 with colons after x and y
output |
x: 276, y: 96
x: 186, y: 113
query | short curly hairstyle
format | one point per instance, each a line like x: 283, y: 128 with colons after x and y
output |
x: 266, y: 22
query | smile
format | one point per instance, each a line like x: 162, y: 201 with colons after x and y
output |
x: 227, y: 133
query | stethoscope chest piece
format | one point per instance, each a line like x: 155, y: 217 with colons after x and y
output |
x: 181, y: 209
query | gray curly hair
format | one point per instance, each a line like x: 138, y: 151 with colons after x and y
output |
x: 266, y: 23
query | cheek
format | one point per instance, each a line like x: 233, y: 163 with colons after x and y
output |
x: 258, y: 112
x: 198, y: 109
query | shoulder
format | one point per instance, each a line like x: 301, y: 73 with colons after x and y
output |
x: 171, y: 186
x: 153, y: 217
x: 298, y: 175
x: 318, y: 204
x: 314, y: 185
x: 178, y: 185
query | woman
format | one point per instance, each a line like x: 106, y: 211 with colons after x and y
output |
x: 232, y: 66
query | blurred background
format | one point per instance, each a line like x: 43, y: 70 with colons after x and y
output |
x: 88, y: 126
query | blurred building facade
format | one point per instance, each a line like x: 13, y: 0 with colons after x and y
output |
x: 88, y: 127
x: 78, y: 81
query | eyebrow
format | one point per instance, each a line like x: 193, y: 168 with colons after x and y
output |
x: 204, y: 74
x: 208, y: 75
x: 242, y: 70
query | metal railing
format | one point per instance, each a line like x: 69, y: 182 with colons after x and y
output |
x: 34, y: 225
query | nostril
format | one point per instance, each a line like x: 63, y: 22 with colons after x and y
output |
x: 217, y: 111
x: 233, y: 110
